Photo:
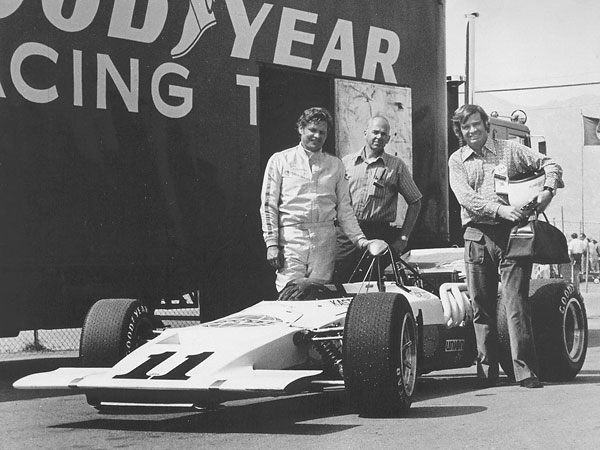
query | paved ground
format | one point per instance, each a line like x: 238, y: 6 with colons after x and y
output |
x: 448, y: 414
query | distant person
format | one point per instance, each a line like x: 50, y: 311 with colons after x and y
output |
x: 487, y: 218
x: 577, y: 251
x: 594, y: 252
x: 375, y: 179
x: 304, y: 190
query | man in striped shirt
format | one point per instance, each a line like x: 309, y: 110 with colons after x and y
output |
x: 477, y: 171
x: 304, y: 190
x: 376, y: 178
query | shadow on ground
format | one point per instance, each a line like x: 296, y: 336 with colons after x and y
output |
x: 284, y: 416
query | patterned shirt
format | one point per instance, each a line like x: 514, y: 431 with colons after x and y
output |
x: 375, y: 185
x: 298, y: 191
x: 472, y: 176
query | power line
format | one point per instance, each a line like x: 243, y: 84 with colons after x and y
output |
x: 531, y: 88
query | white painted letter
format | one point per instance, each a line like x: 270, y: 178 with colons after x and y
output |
x: 7, y: 7
x: 154, y: 21
x: 77, y: 78
x: 342, y: 33
x: 29, y: 93
x: 174, y: 112
x: 245, y: 32
x: 252, y: 83
x: 374, y: 56
x: 288, y: 35
x: 129, y: 96
x: 84, y: 12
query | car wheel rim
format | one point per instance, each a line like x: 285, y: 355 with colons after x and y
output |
x: 406, y: 372
x: 573, y: 330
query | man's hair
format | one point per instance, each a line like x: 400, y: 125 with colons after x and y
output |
x: 314, y: 115
x: 574, y: 235
x: 462, y: 114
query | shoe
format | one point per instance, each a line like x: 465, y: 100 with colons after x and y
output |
x: 531, y: 383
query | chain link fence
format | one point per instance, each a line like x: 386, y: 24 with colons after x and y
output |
x: 67, y: 339
x: 41, y: 341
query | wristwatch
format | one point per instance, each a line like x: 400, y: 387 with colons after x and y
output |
x: 549, y: 189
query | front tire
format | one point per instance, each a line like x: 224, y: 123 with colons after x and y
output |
x: 560, y: 331
x: 112, y: 329
x: 380, y: 354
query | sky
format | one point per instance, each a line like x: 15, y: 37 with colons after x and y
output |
x: 542, y: 57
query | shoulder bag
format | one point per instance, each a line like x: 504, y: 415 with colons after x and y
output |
x: 537, y: 241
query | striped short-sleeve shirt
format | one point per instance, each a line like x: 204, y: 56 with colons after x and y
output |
x: 375, y: 185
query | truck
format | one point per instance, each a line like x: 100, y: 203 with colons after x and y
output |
x: 135, y: 135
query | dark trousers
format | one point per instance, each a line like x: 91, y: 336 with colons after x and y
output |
x: 348, y: 255
x: 484, y: 257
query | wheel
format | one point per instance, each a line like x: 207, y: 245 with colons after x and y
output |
x: 560, y: 330
x: 380, y: 354
x: 112, y: 329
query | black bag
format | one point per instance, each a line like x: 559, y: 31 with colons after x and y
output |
x: 539, y: 242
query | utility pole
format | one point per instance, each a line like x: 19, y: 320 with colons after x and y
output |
x: 470, y: 60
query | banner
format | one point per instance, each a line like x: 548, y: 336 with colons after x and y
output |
x: 591, y: 131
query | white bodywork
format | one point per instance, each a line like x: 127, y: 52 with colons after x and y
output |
x: 247, y: 354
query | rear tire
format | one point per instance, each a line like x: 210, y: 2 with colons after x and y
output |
x: 112, y: 329
x: 560, y: 331
x: 380, y: 354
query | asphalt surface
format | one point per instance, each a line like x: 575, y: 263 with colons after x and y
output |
x: 448, y: 413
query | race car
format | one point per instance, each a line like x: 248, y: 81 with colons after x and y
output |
x: 372, y: 337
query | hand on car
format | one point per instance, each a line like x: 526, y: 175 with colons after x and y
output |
x: 377, y: 247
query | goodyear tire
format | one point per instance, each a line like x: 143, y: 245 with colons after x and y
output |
x: 560, y: 330
x: 112, y: 329
x: 380, y: 354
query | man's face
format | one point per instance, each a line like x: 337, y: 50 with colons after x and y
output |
x: 474, y: 132
x: 313, y: 135
x: 377, y: 135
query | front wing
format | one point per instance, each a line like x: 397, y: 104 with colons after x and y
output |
x: 241, y: 384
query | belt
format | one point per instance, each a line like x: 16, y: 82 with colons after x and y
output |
x: 489, y: 226
x: 308, y: 225
x: 498, y: 229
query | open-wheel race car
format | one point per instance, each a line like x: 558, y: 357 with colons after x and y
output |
x: 373, y: 338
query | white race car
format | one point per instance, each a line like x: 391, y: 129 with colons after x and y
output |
x: 373, y: 338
